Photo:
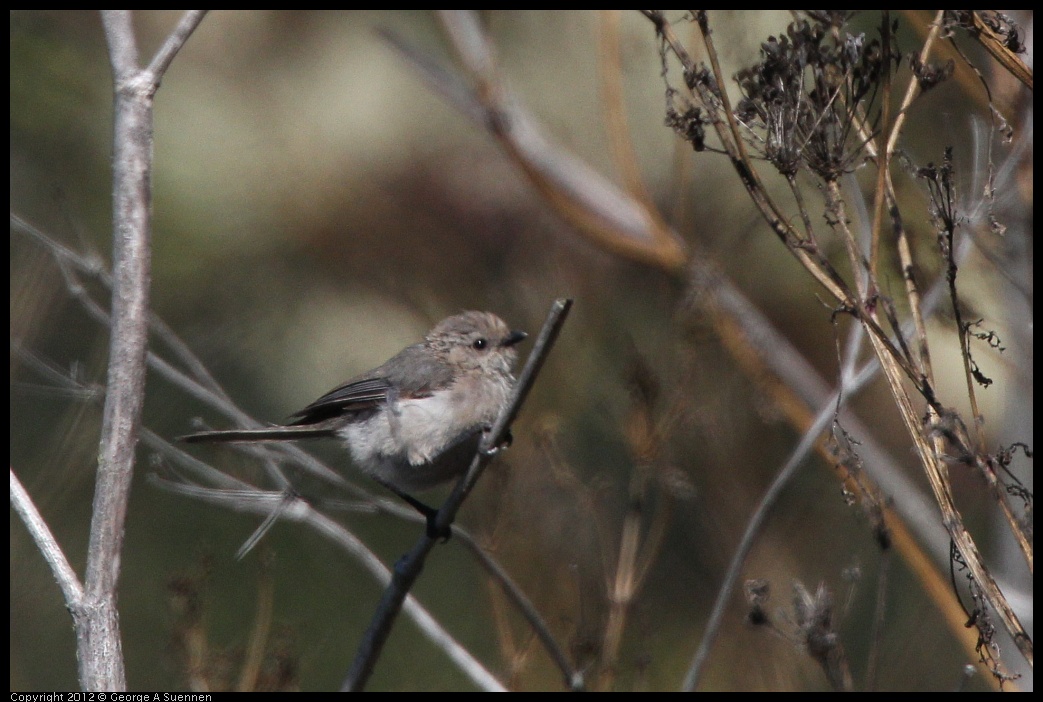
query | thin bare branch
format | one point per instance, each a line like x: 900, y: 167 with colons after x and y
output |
x: 51, y: 551
x: 175, y: 41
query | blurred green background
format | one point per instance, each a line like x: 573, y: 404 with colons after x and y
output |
x: 316, y: 208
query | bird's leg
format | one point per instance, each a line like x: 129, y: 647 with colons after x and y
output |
x: 430, y: 513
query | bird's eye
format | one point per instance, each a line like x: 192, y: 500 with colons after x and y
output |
x: 480, y: 343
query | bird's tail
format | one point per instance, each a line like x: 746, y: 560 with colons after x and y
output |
x: 258, y: 435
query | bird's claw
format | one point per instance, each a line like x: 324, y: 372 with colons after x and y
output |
x: 434, y: 531
x: 508, y: 439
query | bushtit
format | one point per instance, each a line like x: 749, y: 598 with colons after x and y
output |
x: 415, y: 421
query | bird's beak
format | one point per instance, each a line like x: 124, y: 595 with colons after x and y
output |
x: 513, y: 338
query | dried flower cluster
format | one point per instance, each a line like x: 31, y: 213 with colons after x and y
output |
x: 812, y: 94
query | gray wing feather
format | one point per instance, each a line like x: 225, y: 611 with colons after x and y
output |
x: 414, y: 372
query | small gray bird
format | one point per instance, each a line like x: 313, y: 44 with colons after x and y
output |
x: 415, y: 421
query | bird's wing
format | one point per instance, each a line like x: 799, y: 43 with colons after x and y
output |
x: 413, y: 373
x: 353, y: 397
